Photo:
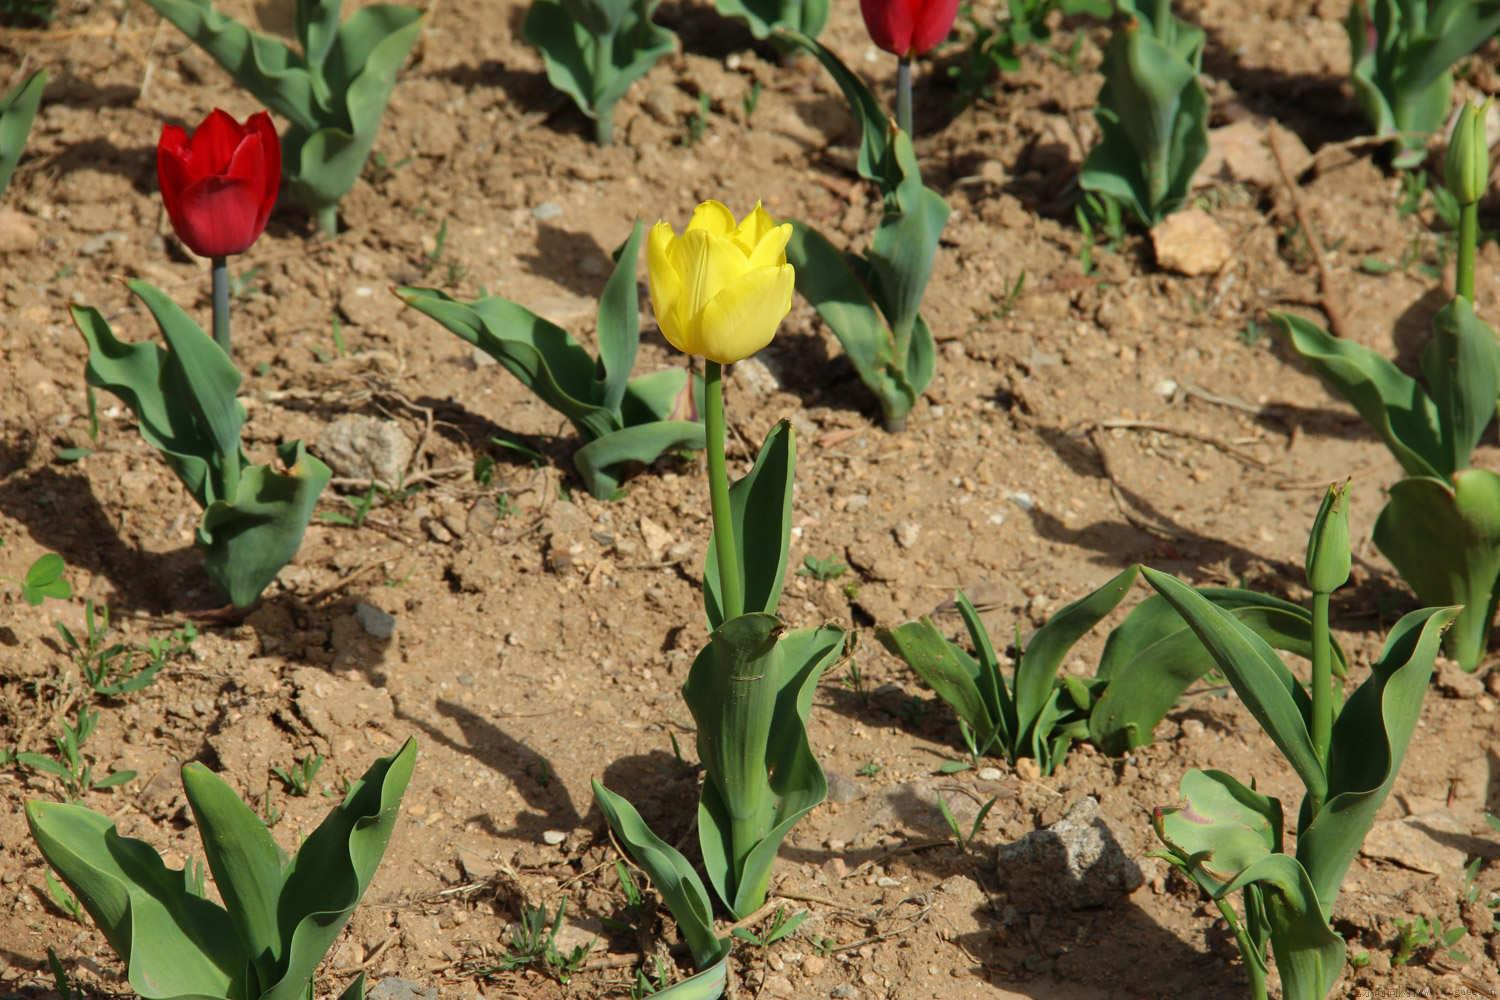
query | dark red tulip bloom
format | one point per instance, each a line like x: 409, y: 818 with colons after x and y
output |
x: 219, y: 185
x: 908, y: 27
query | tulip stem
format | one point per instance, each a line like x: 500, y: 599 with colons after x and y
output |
x: 1468, y: 238
x: 1322, y: 685
x: 903, y: 95
x: 219, y: 268
x: 328, y: 220
x: 604, y: 71
x: 731, y: 593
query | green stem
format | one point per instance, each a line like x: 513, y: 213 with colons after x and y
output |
x: 1322, y: 685
x: 219, y: 269
x: 1248, y: 952
x: 1468, y: 239
x: 603, y: 69
x: 328, y: 220
x: 731, y: 591
x: 903, y: 95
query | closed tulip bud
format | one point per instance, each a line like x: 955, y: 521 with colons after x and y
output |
x: 722, y: 288
x: 220, y: 184
x: 908, y: 27
x: 1328, y: 555
x: 1467, y: 169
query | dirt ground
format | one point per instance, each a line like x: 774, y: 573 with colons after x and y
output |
x: 540, y: 636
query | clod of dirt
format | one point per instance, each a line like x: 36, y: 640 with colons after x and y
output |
x: 401, y: 989
x: 1420, y: 842
x: 1239, y: 152
x: 1082, y: 849
x: 16, y: 233
x: 357, y: 446
x: 1191, y: 243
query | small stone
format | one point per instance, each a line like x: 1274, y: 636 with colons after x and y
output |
x: 1190, y: 242
x: 377, y: 623
x: 1239, y: 152
x: 886, y: 882
x: 401, y: 989
x: 96, y: 245
x: 553, y: 837
x: 1453, y: 682
x: 1166, y: 388
x: 842, y: 789
x: 813, y: 965
x: 658, y: 539
x: 1027, y: 769
x: 1192, y: 728
x: 859, y: 501
x: 1022, y: 499
x: 476, y: 867
x: 989, y: 774
x: 357, y: 446
x: 365, y: 306
x: 757, y: 376
x: 438, y: 531
x: 547, y: 210
x: 907, y: 533
x: 844, y: 992
x: 1081, y: 851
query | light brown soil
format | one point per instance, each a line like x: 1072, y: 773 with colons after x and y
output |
x: 537, y: 650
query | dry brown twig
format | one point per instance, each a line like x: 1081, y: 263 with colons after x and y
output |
x: 1315, y: 245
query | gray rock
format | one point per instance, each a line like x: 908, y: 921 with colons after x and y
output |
x: 1080, y: 852
x: 546, y: 211
x: 401, y: 989
x: 377, y: 623
x: 843, y: 789
x: 357, y: 446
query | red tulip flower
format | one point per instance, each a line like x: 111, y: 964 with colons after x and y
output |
x: 219, y: 185
x: 908, y: 27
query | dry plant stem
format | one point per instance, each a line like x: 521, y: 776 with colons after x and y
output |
x: 1325, y: 279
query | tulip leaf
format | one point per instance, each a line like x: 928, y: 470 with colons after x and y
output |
x: 762, y: 775
x: 706, y: 985
x: 906, y: 242
x: 17, y: 112
x: 596, y: 67
x: 603, y: 461
x: 246, y: 863
x: 622, y: 421
x: 330, y: 872
x: 775, y: 18
x: 1461, y: 365
x: 619, y: 325
x: 1224, y: 829
x: 248, y: 540
x: 174, y: 944
x: 1309, y: 953
x: 1258, y: 676
x: 874, y: 124
x: 1152, y: 657
x: 1369, y: 742
x: 760, y: 511
x: 1152, y: 116
x: 1393, y: 404
x: 1444, y: 540
x: 671, y: 874
x: 956, y: 677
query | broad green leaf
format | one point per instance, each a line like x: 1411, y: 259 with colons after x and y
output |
x: 1461, y: 364
x: 1393, y: 404
x: 658, y: 395
x: 706, y: 985
x: 674, y: 878
x: 332, y: 869
x: 949, y: 671
x: 245, y: 861
x: 1037, y: 670
x: 317, y: 26
x: 992, y: 686
x: 355, y: 990
x: 874, y: 124
x: 639, y: 45
x: 174, y: 944
x: 1224, y: 828
x: 1256, y: 673
x: 1152, y: 657
x: 739, y: 840
x: 17, y: 111
x: 249, y: 540
x: 1369, y: 742
x: 1444, y: 540
x: 770, y: 18
x: 44, y: 579
x: 906, y: 241
x: 604, y: 461
x: 1309, y: 953
x: 546, y: 359
x: 619, y: 325
x: 595, y: 70
x: 760, y: 509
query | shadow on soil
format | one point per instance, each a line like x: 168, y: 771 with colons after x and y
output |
x: 575, y: 260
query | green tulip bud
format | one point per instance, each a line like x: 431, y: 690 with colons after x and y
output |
x: 1467, y: 170
x: 1328, y: 546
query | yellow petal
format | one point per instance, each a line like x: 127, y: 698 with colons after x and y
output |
x: 743, y: 317
x: 712, y: 217
x: 753, y: 228
x: 705, y: 263
x: 770, y: 250
x: 664, y: 282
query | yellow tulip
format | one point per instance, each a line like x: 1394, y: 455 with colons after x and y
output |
x: 722, y: 288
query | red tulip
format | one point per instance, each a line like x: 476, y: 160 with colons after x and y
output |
x: 908, y: 27
x: 220, y: 184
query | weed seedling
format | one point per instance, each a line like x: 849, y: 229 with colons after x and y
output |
x: 533, y: 941
x: 782, y: 924
x: 822, y: 569
x: 64, y: 900
x: 297, y: 780
x: 965, y: 841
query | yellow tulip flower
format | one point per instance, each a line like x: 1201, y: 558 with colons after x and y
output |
x: 722, y: 288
